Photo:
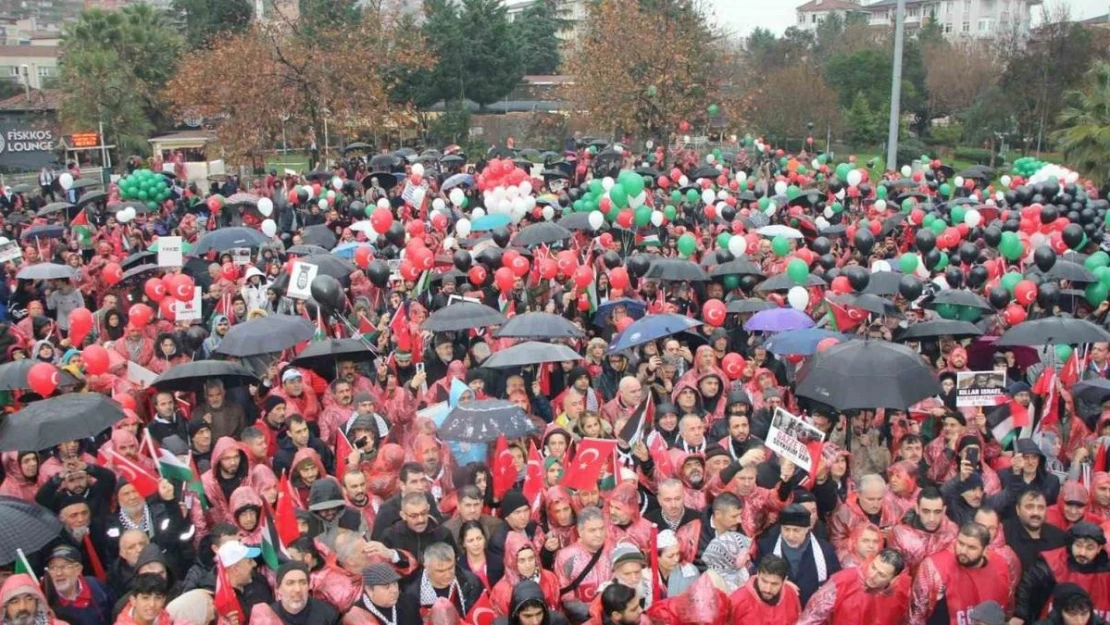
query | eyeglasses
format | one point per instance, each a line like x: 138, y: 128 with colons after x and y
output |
x: 62, y: 568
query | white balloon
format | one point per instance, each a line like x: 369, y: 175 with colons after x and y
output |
x: 880, y: 265
x: 266, y: 206
x: 722, y: 194
x: 517, y: 215
x: 505, y: 207
x: 526, y: 187
x: 512, y: 192
x: 855, y: 177
x: 66, y: 180
x: 336, y: 183
x: 519, y: 205
x: 418, y: 169
x: 998, y: 195
x: 1072, y: 177
x: 737, y: 245
x: 958, y: 181
x: 309, y: 190
x: 596, y: 220
x: 906, y: 171
x: 921, y: 271
x: 708, y: 196
x: 478, y: 212
x: 771, y: 208
x: 269, y: 228
x: 383, y: 202
x: 657, y: 218
x: 815, y: 164
x: 449, y: 243
x: 1006, y: 180
x: 438, y: 204
x: 636, y: 201
x: 122, y: 216
x: 683, y: 181
x: 462, y: 228
x: 822, y: 223
x: 498, y: 194
x: 548, y: 212
x: 529, y: 202
x: 829, y: 212
x: 797, y: 297
x: 1036, y: 240
x: 972, y: 218
x: 741, y: 176
x: 457, y: 196
x: 880, y: 205
x: 323, y: 204
x: 4, y: 240
x: 709, y: 158
x: 780, y: 187
x: 607, y: 183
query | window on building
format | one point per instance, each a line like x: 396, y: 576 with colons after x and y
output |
x: 948, y: 29
x: 812, y: 18
x: 913, y: 12
x: 985, y: 25
x: 46, y: 71
x: 967, y: 7
x: 13, y: 70
x: 966, y: 27
x: 801, y: 18
x: 948, y: 7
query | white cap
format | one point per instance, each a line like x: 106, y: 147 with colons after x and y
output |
x: 291, y: 374
x: 233, y: 552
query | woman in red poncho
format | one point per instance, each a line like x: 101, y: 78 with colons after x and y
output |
x: 702, y: 604
x: 521, y: 563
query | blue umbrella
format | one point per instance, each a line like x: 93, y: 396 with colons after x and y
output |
x: 347, y: 250
x: 456, y: 180
x: 490, y: 222
x: 778, y: 320
x: 801, y: 342
x: 651, y: 328
x: 605, y: 309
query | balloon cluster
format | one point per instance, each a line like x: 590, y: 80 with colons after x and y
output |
x: 1026, y: 166
x: 620, y: 201
x: 506, y: 190
x: 144, y: 185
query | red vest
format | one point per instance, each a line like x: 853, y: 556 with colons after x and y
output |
x: 966, y: 588
x: 855, y: 605
x: 1097, y: 585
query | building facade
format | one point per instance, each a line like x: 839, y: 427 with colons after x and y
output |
x: 812, y: 13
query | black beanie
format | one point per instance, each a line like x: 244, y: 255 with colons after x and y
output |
x: 290, y: 566
x: 795, y: 515
x: 513, y: 500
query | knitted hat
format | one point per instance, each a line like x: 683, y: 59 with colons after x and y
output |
x: 512, y: 501
x: 795, y: 515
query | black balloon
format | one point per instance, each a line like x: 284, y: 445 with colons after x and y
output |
x: 821, y: 246
x: 302, y: 196
x: 931, y: 259
x: 638, y: 264
x: 378, y: 273
x: 462, y: 260
x: 864, y: 241
x: 327, y: 292
x: 925, y: 240
x: 728, y: 213
x: 1072, y: 235
x: 491, y: 258
x: 999, y: 297
x: 910, y: 287
x: 954, y: 276
x: 1047, y: 295
x: 724, y: 256
x: 993, y: 236
x: 969, y: 252
x: 501, y: 236
x: 857, y: 276
x: 1049, y: 213
x: 1044, y: 257
x: 611, y: 259
x: 396, y: 234
x: 977, y: 276
x: 826, y: 261
x: 748, y: 283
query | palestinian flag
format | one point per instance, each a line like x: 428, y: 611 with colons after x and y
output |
x: 1006, y: 421
x: 273, y: 549
x: 172, y: 468
x: 641, y: 421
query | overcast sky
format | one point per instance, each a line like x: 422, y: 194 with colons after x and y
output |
x: 741, y: 16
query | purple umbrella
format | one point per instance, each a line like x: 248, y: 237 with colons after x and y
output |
x: 778, y: 320
x: 981, y: 351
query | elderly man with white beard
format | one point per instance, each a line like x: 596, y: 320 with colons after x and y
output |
x: 80, y: 531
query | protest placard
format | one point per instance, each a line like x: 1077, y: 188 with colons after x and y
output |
x: 9, y: 251
x: 300, y: 284
x: 169, y: 252
x: 240, y: 256
x: 190, y: 310
x: 790, y: 438
x: 979, y: 388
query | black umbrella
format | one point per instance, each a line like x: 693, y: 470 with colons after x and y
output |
x: 306, y: 250
x: 782, y: 282
x: 137, y: 259
x: 13, y: 375
x: 46, y: 271
x: 357, y: 146
x: 676, y: 270
x: 867, y: 374
x: 452, y: 159
x: 749, y: 305
x: 865, y: 301
x: 463, y: 316
x: 265, y: 335
x: 977, y: 171
x: 929, y: 330
x: 386, y: 180
x: 705, y: 171
x: 1094, y: 391
x: 384, y: 162
x: 453, y: 273
x: 540, y: 325
x: 319, y: 174
x: 406, y: 153
x: 319, y: 235
x: 500, y: 152
x: 49, y: 422
x: 82, y: 183
x: 739, y: 267
x: 883, y: 283
x: 1066, y: 270
x: 334, y: 266
x: 959, y: 297
x: 484, y: 420
x: 531, y: 353
x: 1053, y: 331
x: 43, y: 232
x: 25, y: 526
x: 224, y: 239
x: 91, y: 198
x: 542, y: 233
x: 575, y: 221
x: 322, y: 356
x: 191, y: 376
x: 137, y: 275
x: 54, y: 207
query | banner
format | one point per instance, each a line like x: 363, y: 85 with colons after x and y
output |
x: 170, y: 252
x: 790, y: 437
x: 240, y: 256
x: 190, y: 310
x: 979, y: 388
x: 27, y: 147
x: 300, y: 284
x: 10, y: 251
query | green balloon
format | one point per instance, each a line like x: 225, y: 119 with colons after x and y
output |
x: 687, y: 244
x: 907, y: 205
x: 942, y: 263
x: 783, y: 161
x: 1010, y: 280
x: 1063, y: 352
x: 692, y: 196
x: 780, y: 246
x: 945, y: 190
x: 970, y: 314
x: 670, y: 212
x: 1012, y: 251
x: 723, y: 239
x: 731, y: 282
x: 1009, y: 238
x: 713, y: 110
x: 1104, y: 277
x: 676, y: 196
x: 948, y: 311
x: 1096, y: 293
x: 881, y: 192
x: 370, y: 209
x: 763, y: 203
x: 958, y: 214
x: 928, y: 220
x: 838, y: 207
x: 577, y: 205
x: 792, y: 191
x: 141, y: 195
x: 466, y: 201
x: 633, y: 185
x: 908, y: 262
x: 652, y: 91
x: 619, y: 197
x: 1098, y: 259
x: 642, y: 216
x: 798, y: 271
x: 938, y: 226
x: 595, y: 187
x: 152, y: 205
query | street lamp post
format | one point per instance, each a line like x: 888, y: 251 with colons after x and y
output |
x: 896, y: 87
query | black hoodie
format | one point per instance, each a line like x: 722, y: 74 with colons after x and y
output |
x: 529, y: 592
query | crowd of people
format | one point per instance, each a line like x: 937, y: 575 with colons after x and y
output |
x: 330, y: 490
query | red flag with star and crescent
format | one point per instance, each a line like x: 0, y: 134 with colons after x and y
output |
x: 846, y: 318
x: 588, y: 463
x: 504, y: 472
x: 481, y: 613
x: 533, y: 477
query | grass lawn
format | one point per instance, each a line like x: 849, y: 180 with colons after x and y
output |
x: 297, y: 161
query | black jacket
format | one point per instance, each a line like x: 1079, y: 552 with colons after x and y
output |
x: 98, y: 612
x: 470, y: 586
x: 806, y: 575
x: 172, y: 533
x: 529, y: 590
x: 283, y: 459
x: 315, y: 612
x: 1028, y: 549
x: 390, y: 512
x: 159, y: 430
x: 408, y: 609
x: 1038, y: 582
x: 400, y: 536
x: 99, y: 495
x: 150, y: 553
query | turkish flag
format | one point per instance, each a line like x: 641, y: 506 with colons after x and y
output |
x: 342, y: 450
x: 144, y: 481
x: 660, y: 455
x: 481, y: 613
x: 588, y: 462
x: 533, y: 477
x: 847, y: 317
x: 226, y: 601
x: 285, y: 516
x: 504, y: 472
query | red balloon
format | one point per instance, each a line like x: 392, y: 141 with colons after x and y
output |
x: 567, y: 261
x: 96, y: 359
x: 713, y: 312
x: 167, y: 283
x: 605, y: 239
x: 840, y: 285
x: 583, y: 303
x: 316, y: 188
x: 618, y: 278
x: 477, y: 275
x: 292, y: 197
x: 416, y: 228
x: 167, y: 308
x: 605, y: 205
x: 549, y: 269
x: 112, y: 274
x: 183, y: 288
x: 381, y: 219
x: 733, y: 365
x: 508, y: 256
x: 623, y: 323
x: 676, y: 174
x: 409, y: 270
x: 125, y: 400
x: 139, y: 315
x: 439, y: 222
x: 229, y: 272
x: 503, y: 278
x: 1025, y: 292
x: 362, y: 257
x: 711, y: 211
x: 826, y: 343
x: 154, y: 289
x: 663, y: 182
x: 1014, y: 314
x: 80, y: 323
x: 520, y: 266
x: 423, y: 259
x: 583, y: 276
x: 624, y: 218
x: 43, y: 378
